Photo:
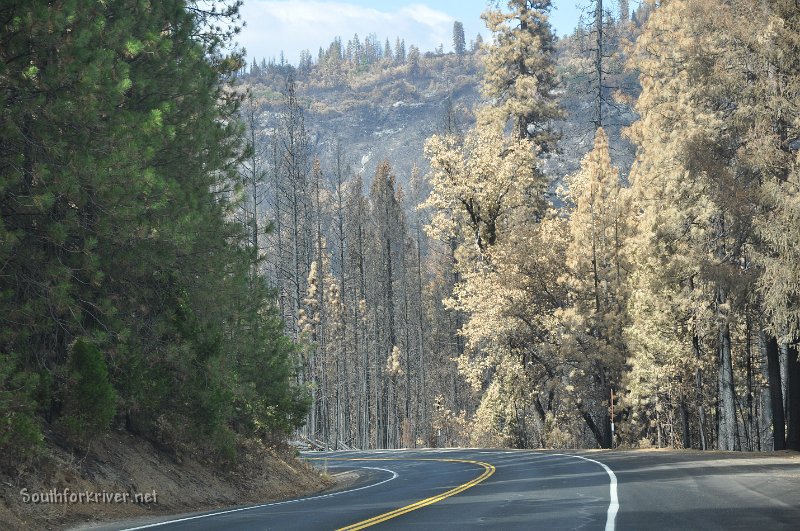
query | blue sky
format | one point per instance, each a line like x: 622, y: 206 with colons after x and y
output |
x: 292, y: 25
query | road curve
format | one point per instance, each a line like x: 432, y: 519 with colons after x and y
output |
x: 464, y: 489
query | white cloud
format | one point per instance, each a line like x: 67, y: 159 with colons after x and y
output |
x: 291, y: 26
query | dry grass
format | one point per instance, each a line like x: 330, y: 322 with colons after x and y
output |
x: 122, y: 463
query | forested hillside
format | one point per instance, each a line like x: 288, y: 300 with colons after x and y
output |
x: 593, y: 224
x: 378, y: 104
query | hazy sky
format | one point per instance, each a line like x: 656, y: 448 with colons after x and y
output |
x: 292, y: 25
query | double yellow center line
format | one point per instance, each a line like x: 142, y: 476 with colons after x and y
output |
x: 488, y: 470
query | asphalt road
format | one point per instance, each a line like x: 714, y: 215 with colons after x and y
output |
x: 507, y: 490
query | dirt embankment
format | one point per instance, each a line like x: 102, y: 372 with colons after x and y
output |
x: 120, y: 466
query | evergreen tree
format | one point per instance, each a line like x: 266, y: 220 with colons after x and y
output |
x: 597, y: 283
x: 769, y: 149
x: 413, y: 61
x: 697, y: 209
x: 400, y: 51
x: 478, y: 184
x: 477, y: 43
x: 459, y: 42
x: 388, y: 54
x: 624, y: 11
x: 520, y: 70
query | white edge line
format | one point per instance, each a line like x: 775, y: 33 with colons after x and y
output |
x: 613, y: 505
x: 392, y: 472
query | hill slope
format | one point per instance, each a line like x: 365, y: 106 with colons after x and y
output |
x: 122, y: 463
x: 388, y: 110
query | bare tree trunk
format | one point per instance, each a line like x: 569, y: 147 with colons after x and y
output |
x: 598, y: 65
x: 698, y: 378
x: 776, y: 393
x: 422, y: 399
x: 279, y: 276
x: 540, y: 418
x: 686, y: 440
x: 659, y: 438
x: 254, y: 178
x: 343, y: 381
x: 407, y: 337
x: 727, y: 406
x: 596, y: 431
x: 362, y: 297
x: 749, y: 425
x: 765, y: 396
x: 793, y: 387
x: 321, y: 339
x: 783, y: 357
x: 390, y: 314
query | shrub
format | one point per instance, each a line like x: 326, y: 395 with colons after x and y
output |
x: 91, y: 400
x: 20, y: 432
